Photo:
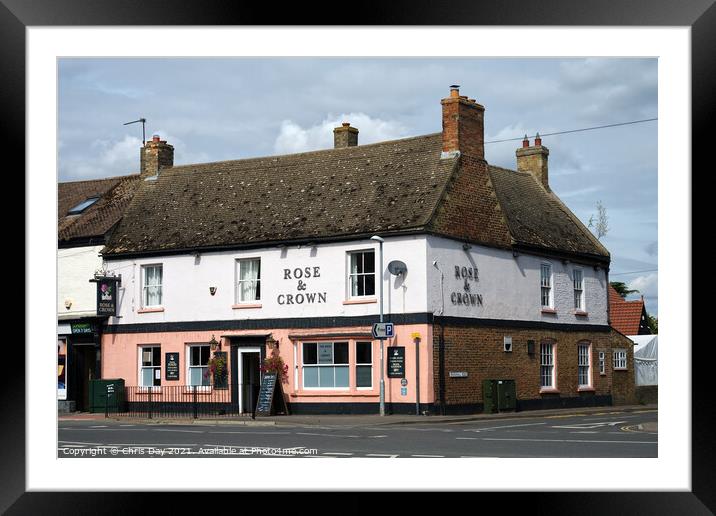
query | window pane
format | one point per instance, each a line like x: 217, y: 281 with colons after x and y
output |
x: 364, y: 375
x: 341, y: 376
x: 194, y: 355
x: 363, y: 353
x: 356, y: 265
x: 204, y: 355
x: 310, y: 355
x: 310, y: 377
x: 340, y: 353
x: 196, y: 375
x: 354, y: 286
x: 325, y: 377
x: 325, y: 353
x: 147, y: 375
x: 369, y: 262
x: 146, y: 356
x: 369, y: 285
x: 157, y: 356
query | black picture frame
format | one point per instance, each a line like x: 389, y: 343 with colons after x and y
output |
x: 700, y: 15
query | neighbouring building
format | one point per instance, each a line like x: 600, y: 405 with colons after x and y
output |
x: 627, y: 317
x: 497, y: 279
x: 87, y: 212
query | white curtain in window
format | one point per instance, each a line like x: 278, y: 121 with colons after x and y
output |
x: 153, y: 281
x: 249, y: 276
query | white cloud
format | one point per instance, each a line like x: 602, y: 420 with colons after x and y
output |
x: 294, y: 138
x: 647, y: 285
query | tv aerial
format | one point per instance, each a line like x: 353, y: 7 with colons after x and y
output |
x: 144, y: 121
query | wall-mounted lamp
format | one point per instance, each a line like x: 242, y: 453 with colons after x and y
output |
x: 272, y: 343
x: 214, y: 344
x: 68, y: 303
x: 212, y: 290
x: 466, y: 247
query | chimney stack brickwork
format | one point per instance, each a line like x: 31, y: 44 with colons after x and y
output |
x: 345, y: 136
x: 469, y: 210
x: 463, y: 125
x: 154, y: 156
x: 533, y: 159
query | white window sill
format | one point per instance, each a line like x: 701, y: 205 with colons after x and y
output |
x: 549, y: 390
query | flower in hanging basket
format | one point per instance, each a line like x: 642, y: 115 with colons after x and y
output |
x: 275, y: 364
x: 217, y: 365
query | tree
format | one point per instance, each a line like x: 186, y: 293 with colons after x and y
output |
x: 601, y: 224
x: 653, y: 324
x: 622, y: 288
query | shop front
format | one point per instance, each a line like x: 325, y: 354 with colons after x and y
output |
x: 78, y: 361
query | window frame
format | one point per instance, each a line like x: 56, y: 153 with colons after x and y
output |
x: 188, y: 366
x: 141, y: 367
x: 590, y: 383
x: 602, y: 363
x: 363, y: 364
x: 616, y: 361
x: 549, y: 306
x: 145, y: 304
x: 553, y: 354
x: 239, y: 281
x: 318, y: 365
x: 89, y: 201
x: 349, y: 275
x: 582, y: 296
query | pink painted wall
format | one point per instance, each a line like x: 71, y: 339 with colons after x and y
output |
x: 120, y: 359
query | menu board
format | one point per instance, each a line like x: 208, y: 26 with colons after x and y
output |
x: 264, y: 404
x: 171, y: 369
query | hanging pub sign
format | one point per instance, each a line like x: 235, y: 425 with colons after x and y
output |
x: 107, y: 292
x: 396, y: 362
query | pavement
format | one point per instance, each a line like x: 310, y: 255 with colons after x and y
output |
x: 373, y: 419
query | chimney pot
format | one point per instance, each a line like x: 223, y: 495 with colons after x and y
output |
x: 538, y: 140
x: 525, y: 142
x: 455, y: 90
x: 155, y: 138
x: 534, y: 160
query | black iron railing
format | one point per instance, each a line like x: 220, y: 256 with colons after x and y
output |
x: 184, y: 401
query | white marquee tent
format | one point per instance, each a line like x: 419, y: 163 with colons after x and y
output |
x: 646, y: 363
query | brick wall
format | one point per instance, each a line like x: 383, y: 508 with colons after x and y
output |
x: 479, y: 352
x: 469, y: 210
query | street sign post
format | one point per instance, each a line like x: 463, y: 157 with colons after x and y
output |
x: 383, y: 330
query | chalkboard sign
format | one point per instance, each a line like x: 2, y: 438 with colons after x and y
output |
x: 396, y: 362
x: 171, y: 369
x: 266, y: 403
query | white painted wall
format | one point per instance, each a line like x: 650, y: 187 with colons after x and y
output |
x: 75, y: 267
x: 186, y: 282
x: 509, y: 286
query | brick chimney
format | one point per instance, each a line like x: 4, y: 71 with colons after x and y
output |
x: 533, y: 159
x: 463, y: 125
x: 154, y: 156
x: 345, y: 136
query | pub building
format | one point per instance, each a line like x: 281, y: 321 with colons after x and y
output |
x: 87, y: 213
x: 486, y: 276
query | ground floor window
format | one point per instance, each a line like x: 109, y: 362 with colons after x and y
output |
x: 325, y: 365
x: 547, y: 365
x: 584, y: 373
x: 150, y: 366
x: 364, y: 364
x: 620, y: 359
x: 198, y: 365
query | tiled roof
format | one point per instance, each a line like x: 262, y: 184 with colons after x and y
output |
x: 625, y: 316
x: 115, y: 194
x: 338, y: 193
x: 357, y: 190
x: 538, y: 218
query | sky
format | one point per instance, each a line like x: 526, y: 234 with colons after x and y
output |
x: 213, y: 109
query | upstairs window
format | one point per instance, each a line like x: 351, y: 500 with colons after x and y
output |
x: 362, y: 273
x: 578, y: 282
x: 546, y: 285
x: 248, y: 285
x: 152, y: 286
x: 76, y: 210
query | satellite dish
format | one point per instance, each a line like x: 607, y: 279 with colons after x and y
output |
x: 396, y: 267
